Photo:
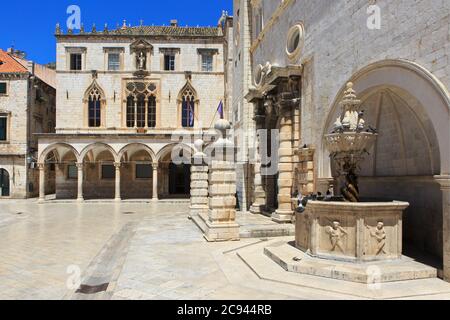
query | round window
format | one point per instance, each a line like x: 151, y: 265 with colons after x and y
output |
x: 295, y: 41
x: 258, y: 75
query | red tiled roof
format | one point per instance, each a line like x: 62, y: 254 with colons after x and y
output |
x: 9, y: 65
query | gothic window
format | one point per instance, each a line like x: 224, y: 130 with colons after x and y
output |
x: 130, y: 112
x: 141, y: 101
x: 152, y: 112
x: 188, y: 109
x: 94, y: 98
x: 141, y: 105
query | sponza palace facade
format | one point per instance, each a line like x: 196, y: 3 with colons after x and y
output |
x: 121, y: 96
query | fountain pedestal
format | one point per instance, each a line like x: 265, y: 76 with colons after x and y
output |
x: 353, y: 232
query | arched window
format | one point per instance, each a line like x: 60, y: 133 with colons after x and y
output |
x: 130, y: 112
x: 94, y: 112
x: 188, y: 108
x: 141, y: 111
x: 151, y: 112
x: 94, y: 98
x: 141, y: 105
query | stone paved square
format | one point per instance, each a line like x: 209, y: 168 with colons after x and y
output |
x: 159, y: 259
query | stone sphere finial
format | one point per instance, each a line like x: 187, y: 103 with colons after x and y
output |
x: 199, y: 144
x: 222, y: 125
x: 199, y: 154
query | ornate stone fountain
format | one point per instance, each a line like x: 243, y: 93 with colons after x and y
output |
x: 344, y: 239
x: 349, y: 143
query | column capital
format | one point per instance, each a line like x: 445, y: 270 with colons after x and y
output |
x: 117, y: 165
x: 79, y: 165
x: 444, y: 181
x: 155, y: 165
x: 41, y: 166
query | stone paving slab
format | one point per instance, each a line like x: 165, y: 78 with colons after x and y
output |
x: 165, y: 257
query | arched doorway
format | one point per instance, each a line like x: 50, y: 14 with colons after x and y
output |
x: 60, y: 178
x: 137, y: 172
x: 175, y: 172
x: 179, y: 179
x: 410, y: 109
x: 99, y: 172
x: 4, y: 183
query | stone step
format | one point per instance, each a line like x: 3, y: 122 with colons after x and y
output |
x: 267, y: 269
x: 296, y: 261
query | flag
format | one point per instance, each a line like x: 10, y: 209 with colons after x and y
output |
x: 220, y: 110
x: 191, y: 114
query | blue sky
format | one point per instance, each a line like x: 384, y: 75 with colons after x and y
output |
x: 30, y: 25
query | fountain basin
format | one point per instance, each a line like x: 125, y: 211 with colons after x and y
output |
x: 351, y: 232
x: 348, y: 142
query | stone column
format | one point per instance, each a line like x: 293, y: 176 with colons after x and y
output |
x: 259, y: 192
x: 117, y: 193
x: 444, y: 181
x: 199, y: 183
x: 80, y: 182
x: 135, y: 114
x: 41, y: 167
x: 155, y: 182
x: 221, y: 223
x: 284, y: 213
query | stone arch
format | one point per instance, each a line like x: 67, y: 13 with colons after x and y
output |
x: 97, y: 95
x: 187, y: 92
x: 99, y: 145
x: 170, y: 147
x: 411, y: 108
x: 54, y: 147
x: 174, y: 172
x: 409, y: 77
x: 139, y: 146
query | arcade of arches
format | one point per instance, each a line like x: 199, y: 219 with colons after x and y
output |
x: 115, y: 171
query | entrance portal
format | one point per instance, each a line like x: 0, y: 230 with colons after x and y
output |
x: 179, y: 180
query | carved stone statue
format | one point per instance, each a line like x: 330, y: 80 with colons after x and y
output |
x: 337, y: 235
x: 379, y: 234
x: 141, y: 61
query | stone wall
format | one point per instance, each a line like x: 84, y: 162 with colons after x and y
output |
x: 16, y: 103
x: 30, y: 106
x: 242, y: 111
x: 338, y: 43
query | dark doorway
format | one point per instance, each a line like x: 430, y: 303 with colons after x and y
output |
x: 4, y: 183
x: 179, y: 179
